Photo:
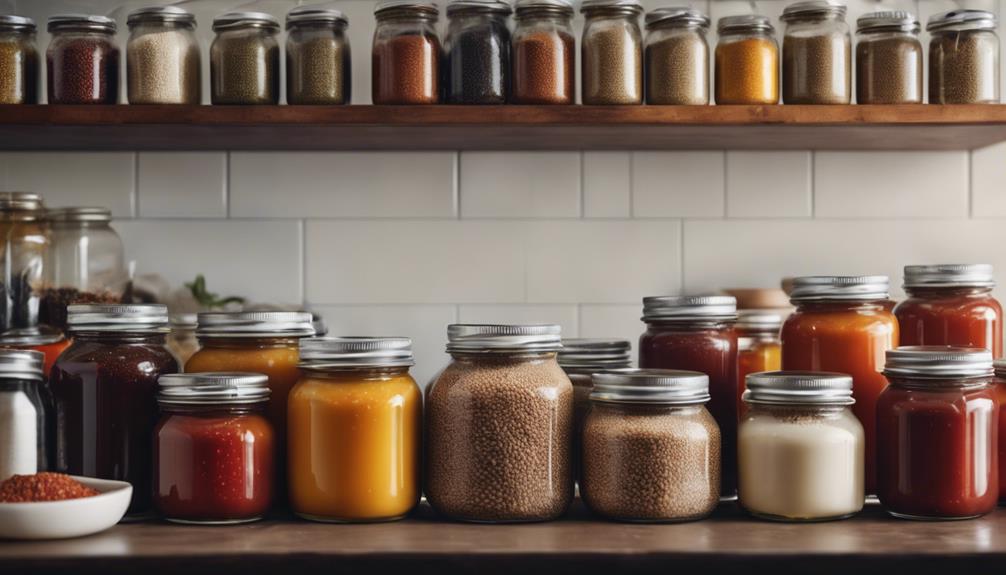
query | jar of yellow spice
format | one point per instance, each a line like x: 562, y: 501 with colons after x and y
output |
x: 747, y: 61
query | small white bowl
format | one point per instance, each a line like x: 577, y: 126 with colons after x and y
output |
x: 70, y: 517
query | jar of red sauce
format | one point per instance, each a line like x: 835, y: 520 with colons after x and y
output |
x: 696, y: 333
x: 844, y: 324
x: 758, y: 347
x: 951, y: 305
x: 213, y: 448
x: 47, y: 340
x: 938, y: 434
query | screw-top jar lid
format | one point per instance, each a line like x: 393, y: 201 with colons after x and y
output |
x: 121, y: 318
x: 655, y: 386
x: 79, y: 214
x: 799, y: 388
x: 20, y: 202
x: 630, y: 7
x: 213, y: 388
x: 1000, y: 368
x: 813, y: 9
x: 161, y: 14
x: 594, y: 354
x: 745, y: 23
x: 184, y: 321
x: 254, y: 324
x: 413, y: 7
x: 888, y: 21
x: 689, y: 308
x: 488, y: 338
x: 315, y: 15
x: 349, y: 352
x: 938, y: 362
x: 232, y: 20
x: 950, y: 275
x: 478, y: 7
x: 759, y: 320
x: 846, y: 288
x: 558, y: 7
x: 677, y: 16
x: 31, y: 336
x: 86, y: 21
x: 962, y: 20
x: 12, y: 22
x: 21, y: 364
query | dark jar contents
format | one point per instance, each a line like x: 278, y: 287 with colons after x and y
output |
x: 406, y: 53
x: 318, y: 62
x: 544, y: 66
x: 477, y: 48
x: 816, y: 54
x: 1000, y: 393
x: 82, y: 60
x: 963, y: 58
x: 18, y: 61
x: 888, y: 59
x: 677, y: 57
x: 611, y: 53
x: 244, y: 59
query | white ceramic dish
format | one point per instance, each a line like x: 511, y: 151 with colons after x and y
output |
x: 70, y: 517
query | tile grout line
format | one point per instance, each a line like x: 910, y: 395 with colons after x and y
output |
x: 457, y: 185
x: 813, y: 185
x: 303, y: 262
x: 583, y: 200
x: 971, y: 185
x: 632, y: 185
x: 227, y: 184
x: 681, y: 255
x: 135, y: 196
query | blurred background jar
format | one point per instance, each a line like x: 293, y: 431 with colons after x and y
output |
x: 318, y: 62
x: 888, y: 59
x: 758, y: 346
x: 162, y: 57
x: 816, y: 54
x: 18, y: 60
x: 23, y: 255
x: 244, y: 59
x: 182, y: 341
x: 963, y: 58
x: 747, y: 61
x: 677, y: 57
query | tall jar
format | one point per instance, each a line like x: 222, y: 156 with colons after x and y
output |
x: 801, y: 448
x: 86, y: 262
x: 1000, y: 392
x: 162, y: 57
x: 499, y: 426
x: 611, y: 52
x: 477, y: 51
x: 938, y: 434
x: 963, y: 58
x: 356, y: 403
x: 18, y: 60
x: 844, y: 324
x: 244, y: 59
x: 544, y: 59
x: 651, y: 451
x: 677, y: 57
x: 82, y: 60
x: 747, y: 61
x: 696, y: 333
x: 48, y: 341
x: 318, y: 59
x: 104, y: 389
x: 406, y: 53
x: 23, y: 426
x: 24, y: 251
x: 888, y: 59
x: 758, y: 347
x: 816, y: 54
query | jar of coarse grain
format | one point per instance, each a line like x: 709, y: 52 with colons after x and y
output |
x: 747, y: 61
x: 82, y: 60
x: 888, y: 59
x: 499, y: 426
x: 544, y: 67
x: 18, y: 60
x: 677, y: 57
x: 816, y: 54
x: 963, y: 58
x: 318, y: 63
x: 477, y: 48
x: 612, y: 52
x: 651, y: 451
x: 244, y: 59
x: 406, y: 53
x: 162, y: 57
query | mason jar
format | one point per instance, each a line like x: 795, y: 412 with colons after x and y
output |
x: 611, y: 52
x: 963, y: 58
x: 677, y: 57
x: 82, y: 60
x: 18, y: 60
x: 747, y: 61
x: 162, y: 57
x: 888, y: 59
x: 406, y: 53
x: 318, y: 60
x: 758, y: 346
x: 23, y: 260
x: 244, y: 59
x: 816, y: 54
x: 544, y: 53
x: 23, y: 424
x: 477, y: 51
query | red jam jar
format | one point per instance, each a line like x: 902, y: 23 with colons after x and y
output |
x: 938, y: 434
x: 213, y: 448
x: 951, y: 305
x: 696, y: 333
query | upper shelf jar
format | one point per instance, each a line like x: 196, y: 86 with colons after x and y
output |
x: 544, y: 68
x: 888, y: 59
x: 82, y: 60
x: 318, y: 63
x: 162, y: 57
x: 747, y: 61
x: 963, y: 58
x: 478, y: 52
x: 612, y: 52
x: 18, y: 61
x: 677, y: 57
x: 406, y: 53
x: 816, y: 54
x: 244, y: 59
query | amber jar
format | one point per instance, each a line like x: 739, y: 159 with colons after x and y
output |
x: 758, y: 346
x: 677, y: 57
x: 244, y: 59
x: 888, y: 59
x: 611, y: 53
x: 747, y: 61
x: 18, y: 60
x: 816, y: 54
x: 544, y: 59
x: 82, y: 60
x: 963, y: 58
x: 406, y: 53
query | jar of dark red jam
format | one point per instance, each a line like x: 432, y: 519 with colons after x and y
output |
x: 696, y: 333
x: 938, y: 434
x: 213, y: 448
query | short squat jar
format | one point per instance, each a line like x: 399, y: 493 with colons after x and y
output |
x: 816, y: 54
x: 18, y: 60
x: 801, y: 449
x: 963, y: 58
x: 888, y: 59
x: 611, y: 52
x: 747, y: 61
x: 406, y: 53
x: 650, y: 448
x: 82, y: 60
x: 477, y: 49
x: 162, y: 57
x: 318, y: 62
x: 544, y: 59
x: 677, y: 57
x: 213, y: 448
x: 244, y: 59
x: 499, y: 426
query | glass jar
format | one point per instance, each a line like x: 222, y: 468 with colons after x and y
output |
x: 758, y: 347
x: 162, y: 57
x: 244, y: 59
x: 22, y: 414
x: 1000, y: 393
x: 844, y: 324
x: 499, y: 426
x: 357, y: 404
x: 182, y: 341
x: 937, y: 434
x: 46, y: 340
x: 801, y: 448
x: 18, y: 60
x: 747, y: 61
x: 611, y: 52
x: 651, y: 451
x: 477, y: 48
x: 816, y: 54
x: 696, y: 333
x: 963, y: 58
x: 318, y: 60
x: 82, y: 60
x: 544, y: 60
x: 888, y: 59
x: 406, y: 53
x: 677, y: 57
x: 104, y: 389
x: 86, y: 262
x: 24, y: 245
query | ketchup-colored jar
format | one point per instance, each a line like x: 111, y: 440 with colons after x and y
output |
x: 938, y: 434
x: 48, y: 340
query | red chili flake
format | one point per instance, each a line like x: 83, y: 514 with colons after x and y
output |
x: 43, y: 486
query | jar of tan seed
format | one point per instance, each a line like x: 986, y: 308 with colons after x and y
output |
x: 499, y: 424
x: 318, y: 63
x: 612, y: 52
x: 162, y: 57
x: 888, y: 59
x: 18, y: 60
x: 816, y: 54
x: 963, y: 58
x: 244, y: 59
x: 677, y: 57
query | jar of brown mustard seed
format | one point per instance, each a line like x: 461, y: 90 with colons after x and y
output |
x: 244, y: 59
x: 162, y: 57
x: 544, y: 67
x: 612, y: 52
x: 651, y: 451
x: 18, y: 60
x: 963, y: 58
x: 677, y: 57
x: 888, y: 59
x: 406, y: 53
x: 499, y: 426
x: 318, y: 63
x: 747, y: 61
x: 82, y: 60
x: 816, y: 54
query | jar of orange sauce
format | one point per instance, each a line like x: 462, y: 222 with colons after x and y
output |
x: 50, y: 341
x: 758, y: 346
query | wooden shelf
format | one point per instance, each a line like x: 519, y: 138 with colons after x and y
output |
x: 913, y: 127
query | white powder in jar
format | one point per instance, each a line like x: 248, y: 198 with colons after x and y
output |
x: 18, y: 435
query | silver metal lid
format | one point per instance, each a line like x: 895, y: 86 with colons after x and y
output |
x: 79, y: 214
x: 851, y: 288
x: 659, y: 386
x: 350, y: 352
x: 161, y: 14
x: 20, y: 202
x: 232, y: 20
x: 759, y: 320
x: 124, y: 318
x: 745, y: 23
x: 677, y: 16
x: 561, y: 7
x: 213, y: 388
x: 950, y: 275
x: 315, y: 15
x: 12, y: 22
x: 1000, y: 368
x: 938, y: 362
x: 31, y: 336
x: 21, y: 364
x: 254, y: 324
x: 689, y: 308
x: 799, y: 388
x: 623, y: 6
x: 418, y: 8
x: 89, y: 22
x: 888, y: 21
x: 594, y: 354
x: 184, y: 321
x: 478, y: 6
x: 488, y: 338
x: 813, y: 8
x: 962, y: 20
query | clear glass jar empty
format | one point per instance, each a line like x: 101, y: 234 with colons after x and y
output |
x: 318, y: 62
x: 244, y: 59
x: 612, y: 52
x: 162, y: 57
x: 816, y: 54
x: 888, y: 59
x: 677, y: 57
x: 18, y: 60
x: 963, y: 58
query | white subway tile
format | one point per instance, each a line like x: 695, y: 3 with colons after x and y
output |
x: 104, y: 179
x: 677, y: 184
x: 520, y: 184
x: 182, y: 184
x: 988, y: 182
x: 563, y: 315
x: 614, y: 321
x: 607, y: 182
x: 768, y: 184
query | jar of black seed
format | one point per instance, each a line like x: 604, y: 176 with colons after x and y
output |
x: 478, y: 52
x: 612, y: 52
x: 18, y: 61
x: 162, y: 57
x: 544, y: 59
x: 82, y: 60
x: 244, y: 59
x: 318, y: 63
x: 677, y: 57
x: 406, y: 53
x: 888, y: 59
x: 816, y: 54
x: 963, y: 58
